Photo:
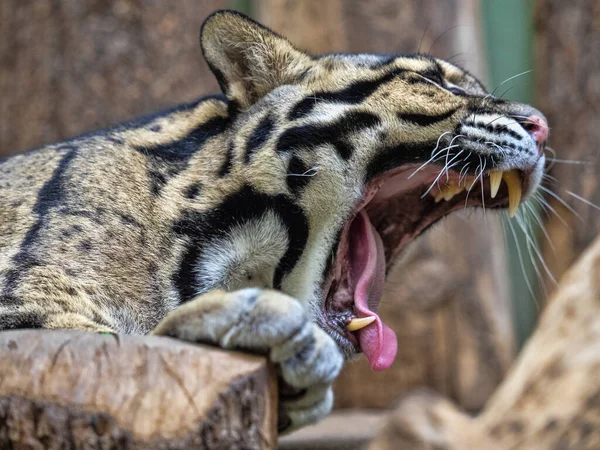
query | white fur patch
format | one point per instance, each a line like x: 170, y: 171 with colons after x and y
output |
x: 246, y: 256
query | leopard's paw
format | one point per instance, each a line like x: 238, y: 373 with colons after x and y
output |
x: 309, y: 362
x: 272, y: 323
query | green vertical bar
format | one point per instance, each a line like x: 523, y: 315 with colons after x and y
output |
x: 243, y: 6
x: 508, y: 32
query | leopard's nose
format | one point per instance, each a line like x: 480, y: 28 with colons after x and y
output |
x: 537, y: 127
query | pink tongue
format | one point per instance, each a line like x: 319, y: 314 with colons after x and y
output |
x: 367, y: 262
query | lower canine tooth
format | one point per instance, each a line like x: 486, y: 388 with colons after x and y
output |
x: 513, y: 181
x: 495, y: 180
x: 358, y: 323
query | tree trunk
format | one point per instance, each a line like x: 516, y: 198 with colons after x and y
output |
x: 61, y: 389
x: 568, y: 91
x: 72, y: 66
x: 448, y: 298
x: 550, y: 399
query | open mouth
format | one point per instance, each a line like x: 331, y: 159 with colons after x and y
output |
x: 397, y: 207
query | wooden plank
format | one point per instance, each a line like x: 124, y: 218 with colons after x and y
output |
x: 66, y: 389
x: 343, y: 429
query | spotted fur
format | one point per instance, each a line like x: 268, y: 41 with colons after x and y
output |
x: 217, y: 221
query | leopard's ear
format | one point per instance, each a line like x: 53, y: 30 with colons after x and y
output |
x: 248, y: 59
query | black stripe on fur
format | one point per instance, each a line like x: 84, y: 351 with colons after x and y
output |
x: 355, y: 93
x: 315, y: 135
x: 424, y: 120
x: 259, y: 136
x: 201, y: 228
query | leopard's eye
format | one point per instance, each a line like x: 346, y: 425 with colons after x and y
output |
x: 437, y: 80
x: 456, y: 90
x: 434, y: 77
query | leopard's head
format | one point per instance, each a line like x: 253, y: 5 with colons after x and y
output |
x: 371, y: 150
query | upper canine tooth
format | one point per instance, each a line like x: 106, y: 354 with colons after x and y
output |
x: 495, y: 181
x: 513, y: 181
x: 358, y: 323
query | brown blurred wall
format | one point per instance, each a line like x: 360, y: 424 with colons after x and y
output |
x: 71, y: 66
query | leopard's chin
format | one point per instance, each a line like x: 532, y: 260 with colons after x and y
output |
x: 398, y: 206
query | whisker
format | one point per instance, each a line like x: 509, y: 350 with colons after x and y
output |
x: 507, y: 80
x: 440, y: 36
x: 532, y: 260
x: 565, y: 204
x: 502, y: 117
x: 551, y: 150
x: 550, y: 208
x: 445, y: 168
x: 472, y: 184
x: 520, y: 256
x: 547, y: 176
x: 538, y: 198
x: 535, y: 248
x: 448, y: 162
x: 309, y: 173
x: 456, y: 56
x: 548, y: 167
x: 526, y: 120
x: 423, y: 37
x: 428, y: 80
x: 537, y: 218
x: 434, y: 182
x: 506, y: 91
x: 569, y: 161
x: 455, y: 138
x: 461, y: 176
x: 437, y: 144
x: 482, y: 192
x: 502, y: 150
x: 516, y: 76
x: 433, y: 157
x: 584, y: 200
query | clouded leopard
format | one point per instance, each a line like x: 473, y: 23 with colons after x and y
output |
x: 265, y: 218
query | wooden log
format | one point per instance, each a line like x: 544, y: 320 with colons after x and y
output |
x: 568, y: 92
x: 66, y: 389
x: 449, y: 339
x: 551, y: 397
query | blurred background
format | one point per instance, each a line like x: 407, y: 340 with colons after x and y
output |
x: 463, y: 299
